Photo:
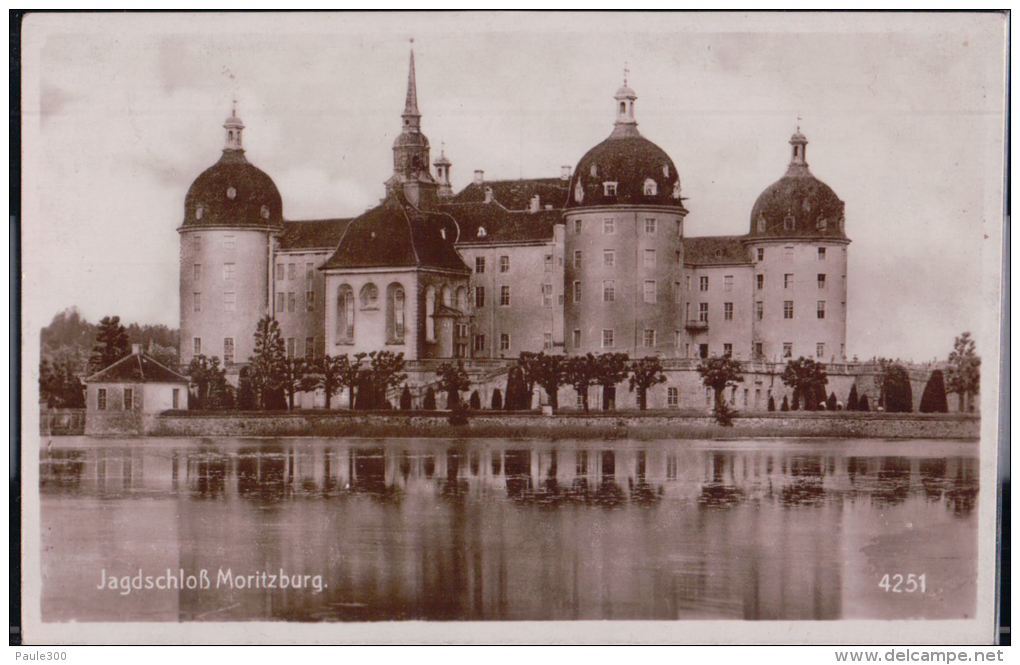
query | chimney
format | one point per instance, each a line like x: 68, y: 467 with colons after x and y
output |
x: 136, y: 349
x: 488, y: 192
x: 535, y: 204
x: 565, y: 172
x: 479, y: 176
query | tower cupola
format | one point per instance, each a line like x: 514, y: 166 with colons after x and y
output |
x: 411, y: 170
x: 626, y: 124
x: 234, y: 127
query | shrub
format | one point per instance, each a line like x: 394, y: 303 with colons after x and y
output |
x: 830, y: 404
x: 852, y: 400
x: 405, y: 399
x: 786, y: 404
x: 863, y: 404
x: 772, y: 403
x: 497, y: 400
x: 897, y: 396
x: 933, y: 399
x: 475, y: 401
x: 429, y: 403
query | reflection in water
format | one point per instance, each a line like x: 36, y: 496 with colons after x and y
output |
x: 488, y: 529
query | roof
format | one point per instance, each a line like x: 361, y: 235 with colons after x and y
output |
x: 797, y: 205
x: 233, y: 192
x: 136, y: 368
x: 395, y: 234
x: 629, y: 160
x: 715, y: 250
x: 313, y: 234
x: 516, y: 194
x: 501, y: 225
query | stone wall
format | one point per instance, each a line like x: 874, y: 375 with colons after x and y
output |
x: 61, y: 422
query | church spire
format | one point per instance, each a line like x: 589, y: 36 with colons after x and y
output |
x: 411, y: 115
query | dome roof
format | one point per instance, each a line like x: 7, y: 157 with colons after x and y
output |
x: 642, y: 172
x: 233, y: 192
x: 798, y: 205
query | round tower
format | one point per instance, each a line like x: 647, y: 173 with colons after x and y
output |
x: 623, y: 244
x: 798, y: 248
x: 232, y: 212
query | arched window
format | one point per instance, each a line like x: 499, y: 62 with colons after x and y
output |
x: 462, y: 299
x: 369, y: 296
x: 395, y: 313
x: 345, y: 314
x: 651, y: 189
x: 447, y: 296
x: 761, y: 222
x: 623, y: 108
x: 430, y: 310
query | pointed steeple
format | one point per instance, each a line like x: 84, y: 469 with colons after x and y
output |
x: 411, y: 151
x: 411, y: 115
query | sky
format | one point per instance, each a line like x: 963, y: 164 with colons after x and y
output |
x: 904, y: 114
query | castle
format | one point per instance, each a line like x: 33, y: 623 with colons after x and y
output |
x: 595, y: 260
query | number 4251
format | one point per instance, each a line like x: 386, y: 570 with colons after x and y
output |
x: 897, y: 583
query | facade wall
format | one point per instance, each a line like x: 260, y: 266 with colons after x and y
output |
x: 300, y: 317
x: 805, y: 331
x: 232, y: 264
x: 726, y: 285
x: 370, y: 319
x: 587, y: 313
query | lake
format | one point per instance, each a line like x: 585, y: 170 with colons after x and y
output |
x: 486, y: 529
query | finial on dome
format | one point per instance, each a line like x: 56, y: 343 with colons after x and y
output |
x: 234, y: 127
x: 625, y: 73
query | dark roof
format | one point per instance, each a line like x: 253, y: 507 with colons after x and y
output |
x: 715, y: 250
x: 798, y: 205
x: 395, y: 234
x: 313, y: 234
x: 516, y: 194
x: 136, y: 368
x: 628, y: 159
x: 500, y: 224
x: 233, y: 192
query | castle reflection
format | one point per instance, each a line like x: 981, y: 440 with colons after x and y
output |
x: 490, y: 529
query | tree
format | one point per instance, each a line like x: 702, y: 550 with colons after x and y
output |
x: 328, y: 375
x: 852, y: 400
x: 387, y: 371
x: 366, y: 395
x: 795, y: 404
x: 610, y: 369
x: 896, y: 394
x: 429, y: 403
x: 210, y: 381
x: 933, y: 399
x: 497, y: 400
x: 831, y: 403
x: 808, y: 379
x: 350, y: 374
x: 549, y: 371
x: 295, y: 378
x: 963, y: 375
x: 863, y: 404
x: 246, y: 400
x: 111, y: 344
x: 772, y: 403
x: 268, y: 363
x: 59, y: 386
x: 644, y: 374
x: 476, y: 401
x: 529, y: 363
x: 718, y: 373
x: 581, y: 373
x: 453, y: 379
x: 517, y: 396
x: 786, y: 404
x: 405, y: 399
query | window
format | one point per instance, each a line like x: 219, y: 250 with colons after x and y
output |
x: 821, y: 253
x: 688, y: 282
x: 761, y: 254
x: 649, y: 260
x: 504, y: 296
x: 609, y: 188
x: 577, y: 291
x: 820, y: 350
x: 228, y: 350
x: 462, y: 298
x: 703, y: 353
x: 676, y: 292
x: 758, y: 350
x: 101, y: 399
x: 175, y: 398
x: 196, y: 243
x: 129, y: 395
x: 291, y: 301
x: 787, y: 349
x: 279, y: 272
x: 309, y: 301
x: 547, y: 293
x: 504, y: 342
x: 608, y: 291
x: 608, y: 226
x: 703, y: 312
x: 703, y: 283
x: 281, y: 301
x: 309, y: 349
x: 228, y: 242
x: 842, y: 350
x: 843, y: 308
x: 581, y: 465
x: 673, y: 401
x: 787, y: 280
x: 687, y: 350
x: 479, y: 297
x: 196, y: 299
x: 577, y: 338
x: 462, y: 330
x: 788, y: 252
x: 461, y: 350
x: 649, y: 291
x: 369, y: 296
x: 396, y: 313
x: 727, y: 282
x: 821, y: 309
x: 228, y: 271
x: 197, y: 275
x: 787, y: 309
x: 760, y: 279
x: 577, y: 227
x: 229, y: 301
x: 788, y: 223
x: 479, y: 265
x: 609, y: 258
x: 291, y: 271
x: 759, y: 310
x: 679, y: 228
x: 651, y: 189
x: 577, y: 258
x: 345, y: 314
x: 548, y: 263
x: 648, y: 338
x: 678, y: 256
x: 607, y: 338
x: 196, y: 345
x: 547, y: 340
x: 290, y: 347
x: 727, y: 349
x: 650, y: 226
x: 821, y: 280
x: 479, y: 343
x: 504, y: 264
x: 309, y: 272
x: 727, y: 309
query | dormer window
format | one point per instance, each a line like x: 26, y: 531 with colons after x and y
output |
x: 651, y: 188
x: 199, y: 211
x: 761, y: 223
x: 442, y: 232
x: 609, y: 188
x: 665, y: 170
x: 482, y: 232
x: 231, y: 193
x: 676, y: 190
x: 264, y: 212
x: 594, y: 170
x: 822, y: 224
x: 788, y: 222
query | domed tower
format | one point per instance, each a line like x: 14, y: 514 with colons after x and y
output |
x: 231, y: 214
x: 623, y: 244
x: 798, y: 248
x: 411, y: 152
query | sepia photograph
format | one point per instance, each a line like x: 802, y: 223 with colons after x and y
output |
x: 511, y: 327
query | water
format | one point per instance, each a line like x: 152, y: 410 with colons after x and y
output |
x: 512, y: 530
